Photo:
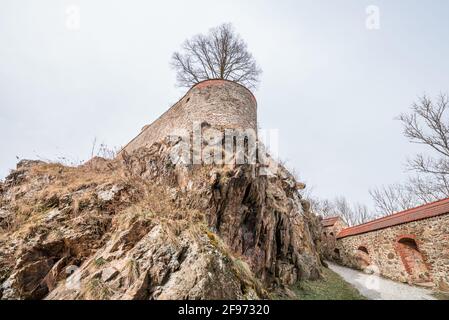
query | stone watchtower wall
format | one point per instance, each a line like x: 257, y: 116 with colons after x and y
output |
x: 221, y: 103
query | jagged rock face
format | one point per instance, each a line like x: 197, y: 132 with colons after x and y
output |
x: 264, y: 219
x: 141, y: 227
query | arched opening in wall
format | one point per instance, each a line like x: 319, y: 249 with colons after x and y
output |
x: 337, y: 254
x: 363, y: 249
x: 332, y: 234
x: 363, y: 258
x: 413, y: 260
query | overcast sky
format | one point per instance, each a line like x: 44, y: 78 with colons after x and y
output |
x: 331, y: 85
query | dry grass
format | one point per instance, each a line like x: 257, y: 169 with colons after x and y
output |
x: 48, y: 183
x: 133, y: 272
x: 100, y: 262
x: 239, y: 266
x: 98, y: 290
x: 72, y: 179
x: 441, y: 295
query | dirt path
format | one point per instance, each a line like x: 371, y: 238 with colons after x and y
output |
x: 377, y: 288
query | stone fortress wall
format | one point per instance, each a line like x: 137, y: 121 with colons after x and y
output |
x: 219, y: 103
x: 411, y: 246
x: 332, y: 226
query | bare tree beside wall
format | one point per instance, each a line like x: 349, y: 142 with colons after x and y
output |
x: 324, y: 208
x: 393, y: 198
x: 221, y: 54
x: 351, y: 214
x: 427, y: 124
x: 362, y: 214
x: 343, y: 210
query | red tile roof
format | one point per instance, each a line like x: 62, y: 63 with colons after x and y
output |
x: 422, y: 212
x: 329, y: 222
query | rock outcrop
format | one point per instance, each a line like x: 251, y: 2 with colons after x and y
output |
x: 141, y: 227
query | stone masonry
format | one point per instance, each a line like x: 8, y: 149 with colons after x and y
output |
x: 331, y: 228
x: 410, y: 246
x: 221, y: 104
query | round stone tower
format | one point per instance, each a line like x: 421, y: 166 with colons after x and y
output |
x: 222, y: 104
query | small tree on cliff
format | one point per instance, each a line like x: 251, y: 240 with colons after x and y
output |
x: 221, y: 54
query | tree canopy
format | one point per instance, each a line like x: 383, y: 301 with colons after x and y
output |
x: 220, y: 54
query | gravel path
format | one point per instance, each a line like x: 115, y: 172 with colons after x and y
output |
x: 377, y: 288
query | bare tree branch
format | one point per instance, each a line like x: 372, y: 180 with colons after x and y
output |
x: 351, y: 214
x: 393, y: 198
x: 221, y: 54
x: 426, y: 124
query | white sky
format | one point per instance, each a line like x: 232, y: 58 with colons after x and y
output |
x: 331, y: 86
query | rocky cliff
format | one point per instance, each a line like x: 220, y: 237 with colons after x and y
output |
x: 141, y: 227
